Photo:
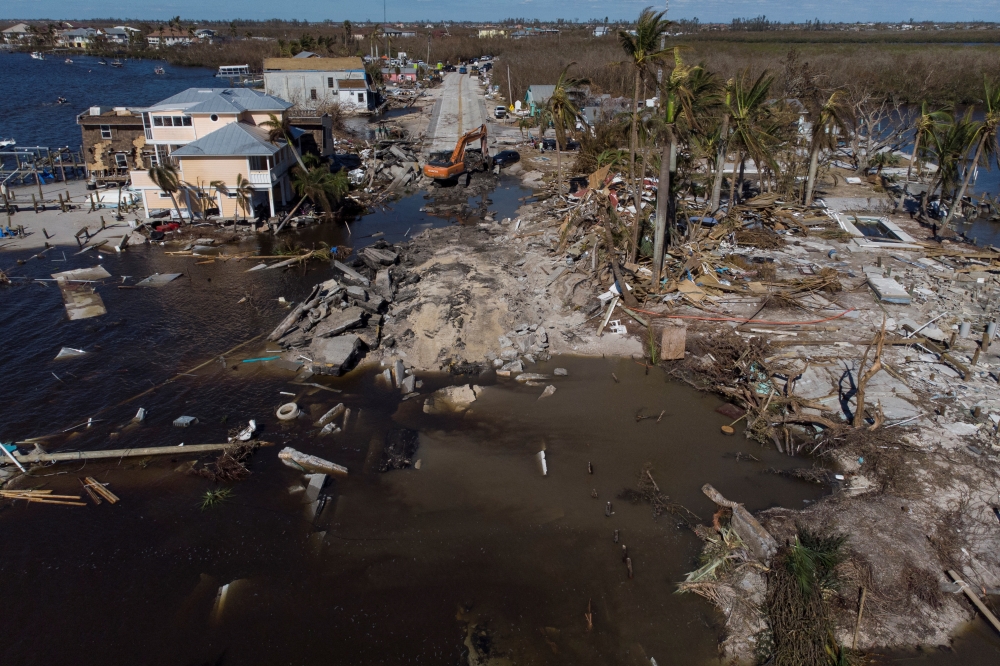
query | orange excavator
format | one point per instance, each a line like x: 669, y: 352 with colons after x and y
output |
x: 445, y: 166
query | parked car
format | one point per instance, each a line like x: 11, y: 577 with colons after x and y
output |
x: 500, y: 111
x: 449, y: 68
x: 506, y: 157
x: 463, y: 70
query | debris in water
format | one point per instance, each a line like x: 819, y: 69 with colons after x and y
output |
x: 69, y: 352
x: 92, y: 485
x: 305, y: 462
x: 541, y: 459
x: 607, y: 510
x: 185, y: 421
x: 158, y: 279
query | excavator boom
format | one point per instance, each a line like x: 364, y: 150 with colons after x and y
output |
x: 445, y: 167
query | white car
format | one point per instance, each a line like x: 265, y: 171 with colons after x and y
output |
x: 500, y: 112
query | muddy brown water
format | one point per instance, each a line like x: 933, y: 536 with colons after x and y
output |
x: 399, y: 565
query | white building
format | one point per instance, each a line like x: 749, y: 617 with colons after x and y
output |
x: 310, y: 81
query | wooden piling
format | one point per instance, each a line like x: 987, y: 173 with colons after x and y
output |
x: 34, y: 202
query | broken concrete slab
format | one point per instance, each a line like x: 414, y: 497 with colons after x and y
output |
x: 339, y: 321
x: 888, y: 290
x: 383, y: 284
x: 307, y: 463
x: 336, y: 411
x: 381, y: 256
x: 357, y: 293
x: 408, y: 385
x: 334, y: 356
x: 351, y: 276
x: 451, y: 399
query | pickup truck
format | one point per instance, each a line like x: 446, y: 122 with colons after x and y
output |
x: 500, y: 112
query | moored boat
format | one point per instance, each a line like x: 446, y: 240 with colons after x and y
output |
x: 37, y: 55
x: 117, y: 63
x: 7, y: 143
x: 102, y: 61
x: 68, y: 61
x: 159, y: 70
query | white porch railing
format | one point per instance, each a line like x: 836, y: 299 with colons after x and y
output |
x: 260, y: 177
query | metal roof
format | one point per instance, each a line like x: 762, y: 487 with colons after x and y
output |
x: 540, y: 94
x: 220, y: 100
x: 235, y: 139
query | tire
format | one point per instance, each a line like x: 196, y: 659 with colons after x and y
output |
x: 288, y: 411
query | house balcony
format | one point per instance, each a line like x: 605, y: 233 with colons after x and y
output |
x: 261, y: 178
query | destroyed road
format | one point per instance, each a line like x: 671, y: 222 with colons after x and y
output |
x: 395, y: 567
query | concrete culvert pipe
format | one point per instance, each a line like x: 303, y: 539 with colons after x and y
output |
x: 288, y: 411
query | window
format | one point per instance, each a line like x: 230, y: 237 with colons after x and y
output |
x: 158, y: 121
x: 258, y: 163
x: 214, y: 118
x: 312, y: 94
x: 121, y: 160
x: 164, y: 195
x: 105, y: 131
x: 187, y: 121
x: 181, y: 121
x: 361, y: 97
x: 329, y: 82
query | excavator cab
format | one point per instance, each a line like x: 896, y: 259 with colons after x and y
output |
x: 445, y: 166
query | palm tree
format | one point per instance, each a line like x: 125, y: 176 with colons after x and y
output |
x: 685, y: 89
x: 642, y: 49
x: 278, y: 129
x: 751, y: 133
x: 827, y: 120
x: 722, y: 147
x: 320, y: 186
x: 949, y: 145
x: 165, y: 177
x: 244, y: 194
x: 927, y: 122
x: 562, y: 112
x: 986, y: 144
x: 348, y: 29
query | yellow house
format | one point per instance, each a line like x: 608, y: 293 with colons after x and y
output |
x: 215, y: 135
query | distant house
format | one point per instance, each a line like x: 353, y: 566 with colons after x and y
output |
x: 205, y: 34
x: 312, y: 81
x: 214, y: 135
x: 602, y: 31
x: 17, y: 33
x: 168, y: 37
x: 485, y: 33
x: 80, y: 38
x: 536, y: 97
x: 113, y: 141
x: 120, y: 34
x: 389, y: 74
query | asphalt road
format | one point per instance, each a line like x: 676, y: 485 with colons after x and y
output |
x: 458, y: 110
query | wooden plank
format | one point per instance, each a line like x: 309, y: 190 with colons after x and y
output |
x: 124, y: 453
x: 974, y: 598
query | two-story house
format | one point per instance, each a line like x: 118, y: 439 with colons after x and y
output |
x: 80, y: 38
x: 311, y: 81
x: 215, y: 135
x: 168, y: 37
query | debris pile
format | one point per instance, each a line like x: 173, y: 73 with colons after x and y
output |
x: 342, y: 317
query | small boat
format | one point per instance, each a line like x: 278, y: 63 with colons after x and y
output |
x: 62, y: 100
x: 37, y: 55
x: 102, y: 61
x: 159, y: 70
x: 7, y: 143
x: 68, y: 61
x: 117, y: 63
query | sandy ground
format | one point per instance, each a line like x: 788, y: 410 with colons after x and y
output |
x: 478, y: 283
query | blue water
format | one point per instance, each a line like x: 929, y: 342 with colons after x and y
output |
x: 31, y: 88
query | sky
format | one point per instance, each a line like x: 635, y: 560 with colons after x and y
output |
x: 706, y: 11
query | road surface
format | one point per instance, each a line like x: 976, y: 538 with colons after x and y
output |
x: 459, y: 109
